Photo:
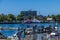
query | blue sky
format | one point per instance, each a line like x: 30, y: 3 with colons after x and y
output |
x: 45, y: 7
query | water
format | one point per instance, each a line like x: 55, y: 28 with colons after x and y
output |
x: 11, y: 32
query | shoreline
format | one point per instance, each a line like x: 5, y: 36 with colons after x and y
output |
x: 25, y: 23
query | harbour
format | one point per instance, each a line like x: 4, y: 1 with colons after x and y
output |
x: 10, y: 29
x: 29, y: 19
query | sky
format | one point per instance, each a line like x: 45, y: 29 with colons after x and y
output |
x: 43, y: 7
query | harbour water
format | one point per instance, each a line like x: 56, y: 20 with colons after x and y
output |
x: 11, y: 32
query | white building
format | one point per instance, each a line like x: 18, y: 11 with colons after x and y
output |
x: 49, y: 19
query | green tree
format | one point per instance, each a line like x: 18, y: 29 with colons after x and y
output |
x: 19, y: 17
x: 44, y: 18
x: 29, y: 17
x: 58, y: 17
x: 54, y: 17
x: 49, y: 16
x: 3, y: 17
x: 36, y: 17
x: 11, y: 17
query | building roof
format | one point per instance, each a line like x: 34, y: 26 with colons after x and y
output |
x: 2, y: 36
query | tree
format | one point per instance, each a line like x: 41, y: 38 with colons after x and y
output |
x: 58, y: 17
x: 19, y: 17
x: 49, y: 16
x: 29, y: 17
x: 11, y: 17
x: 36, y: 17
x: 54, y: 17
x: 3, y: 17
x: 44, y: 18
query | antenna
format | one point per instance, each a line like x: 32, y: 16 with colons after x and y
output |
x: 39, y: 12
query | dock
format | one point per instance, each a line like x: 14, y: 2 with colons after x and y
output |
x: 9, y: 28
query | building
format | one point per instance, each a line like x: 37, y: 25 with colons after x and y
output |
x: 49, y: 19
x: 2, y: 37
x: 40, y: 17
x: 29, y: 13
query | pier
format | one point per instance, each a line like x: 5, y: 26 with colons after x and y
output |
x: 8, y: 28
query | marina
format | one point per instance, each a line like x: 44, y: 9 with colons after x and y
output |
x: 29, y: 19
x: 9, y: 30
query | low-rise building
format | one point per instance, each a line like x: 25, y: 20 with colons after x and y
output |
x: 49, y: 19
